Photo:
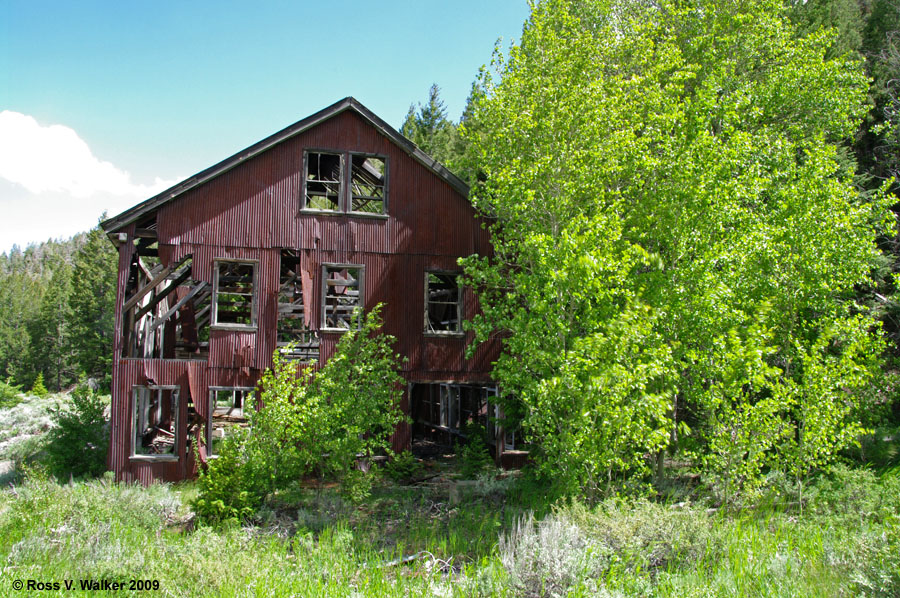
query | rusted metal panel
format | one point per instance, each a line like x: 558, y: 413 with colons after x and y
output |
x: 252, y: 211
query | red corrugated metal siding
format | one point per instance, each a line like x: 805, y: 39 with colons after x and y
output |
x: 252, y: 212
x: 191, y: 377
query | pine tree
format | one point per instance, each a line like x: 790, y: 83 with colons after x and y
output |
x: 50, y: 338
x: 92, y: 302
x: 428, y: 127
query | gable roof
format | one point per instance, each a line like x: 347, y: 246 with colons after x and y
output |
x: 116, y: 223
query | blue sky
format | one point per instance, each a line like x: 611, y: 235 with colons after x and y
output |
x: 102, y: 104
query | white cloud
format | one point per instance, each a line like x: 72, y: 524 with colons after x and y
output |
x: 55, y: 158
x: 53, y: 186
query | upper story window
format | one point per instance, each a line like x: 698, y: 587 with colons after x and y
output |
x: 234, y: 294
x: 322, y: 190
x: 442, y: 304
x: 330, y: 186
x: 342, y: 292
x: 367, y: 183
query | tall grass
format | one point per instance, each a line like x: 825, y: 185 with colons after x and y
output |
x: 312, y: 543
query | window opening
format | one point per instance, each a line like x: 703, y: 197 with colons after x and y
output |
x: 442, y: 304
x: 342, y: 291
x: 154, y: 421
x: 323, y: 181
x: 227, y: 409
x: 367, y: 184
x: 234, y: 304
x: 295, y: 338
x: 165, y: 312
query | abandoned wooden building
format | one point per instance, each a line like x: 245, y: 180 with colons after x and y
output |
x: 274, y: 248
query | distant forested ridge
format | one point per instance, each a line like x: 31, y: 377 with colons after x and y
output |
x: 57, y: 311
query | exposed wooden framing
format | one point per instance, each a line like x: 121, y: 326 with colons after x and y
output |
x: 143, y: 268
x: 194, y: 291
x: 141, y: 292
x: 164, y: 293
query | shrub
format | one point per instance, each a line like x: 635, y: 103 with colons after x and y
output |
x: 313, y: 423
x: 474, y: 456
x: 550, y: 557
x: 77, y: 445
x: 10, y: 394
x: 226, y: 489
x: 403, y: 467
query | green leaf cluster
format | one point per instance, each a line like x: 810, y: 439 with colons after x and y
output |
x: 676, y: 239
x: 327, y: 422
x: 77, y: 444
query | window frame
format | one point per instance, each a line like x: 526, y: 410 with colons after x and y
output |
x: 345, y: 189
x: 459, y: 332
x: 384, y: 186
x: 175, y: 455
x: 361, y: 279
x: 214, y: 324
x: 304, y: 207
x: 211, y: 406
x: 309, y: 340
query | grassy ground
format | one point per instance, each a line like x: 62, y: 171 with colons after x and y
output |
x: 846, y: 543
x: 496, y: 537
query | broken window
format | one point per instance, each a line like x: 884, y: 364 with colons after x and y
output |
x: 342, y: 296
x: 165, y: 314
x: 227, y: 409
x: 154, y: 422
x: 442, y: 304
x: 234, y: 301
x: 295, y: 338
x: 441, y: 411
x: 322, y: 181
x: 367, y: 184
x: 325, y: 177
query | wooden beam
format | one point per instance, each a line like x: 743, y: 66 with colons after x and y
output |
x: 164, y: 293
x: 141, y: 292
x: 178, y: 305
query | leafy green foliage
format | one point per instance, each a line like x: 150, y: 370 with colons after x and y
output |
x: 677, y: 241
x: 77, y: 445
x: 226, y: 490
x: 473, y: 455
x: 402, y: 467
x: 326, y: 422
